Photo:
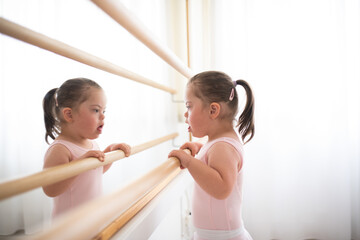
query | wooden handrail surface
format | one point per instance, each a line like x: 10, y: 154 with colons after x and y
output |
x: 37, y: 39
x: 118, y: 223
x: 86, y: 221
x: 64, y: 171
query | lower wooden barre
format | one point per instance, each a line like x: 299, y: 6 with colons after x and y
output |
x: 87, y: 221
x: 62, y: 172
x: 116, y: 225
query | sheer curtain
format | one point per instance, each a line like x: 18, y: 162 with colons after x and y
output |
x: 302, y: 60
x: 135, y: 113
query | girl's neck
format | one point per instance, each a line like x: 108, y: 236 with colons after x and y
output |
x: 222, y: 130
x: 82, y: 142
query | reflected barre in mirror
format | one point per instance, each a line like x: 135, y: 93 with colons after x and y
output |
x: 65, y: 171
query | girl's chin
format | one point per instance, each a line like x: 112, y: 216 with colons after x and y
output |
x: 95, y: 136
x: 197, y: 135
x: 194, y: 134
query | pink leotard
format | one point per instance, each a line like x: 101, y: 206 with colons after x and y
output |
x: 86, y: 186
x: 214, y: 218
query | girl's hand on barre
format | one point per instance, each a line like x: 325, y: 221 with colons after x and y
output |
x: 194, y: 147
x: 119, y: 146
x: 182, y: 156
x: 94, y: 153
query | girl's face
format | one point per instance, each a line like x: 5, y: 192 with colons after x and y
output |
x: 89, y: 115
x: 196, y: 115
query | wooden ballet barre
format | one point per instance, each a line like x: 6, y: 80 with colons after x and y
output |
x: 37, y: 39
x: 131, y: 23
x: 123, y: 219
x: 89, y: 219
x: 58, y: 173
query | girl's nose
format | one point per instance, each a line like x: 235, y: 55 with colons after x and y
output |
x: 102, y: 116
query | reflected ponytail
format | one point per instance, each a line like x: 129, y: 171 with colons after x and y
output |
x: 50, y: 119
x: 246, y: 119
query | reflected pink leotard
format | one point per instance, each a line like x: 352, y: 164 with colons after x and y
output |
x: 214, y: 218
x: 86, y: 186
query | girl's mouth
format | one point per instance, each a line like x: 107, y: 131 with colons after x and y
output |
x: 100, y: 128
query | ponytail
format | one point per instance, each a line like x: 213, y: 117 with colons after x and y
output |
x: 49, y: 106
x: 246, y: 119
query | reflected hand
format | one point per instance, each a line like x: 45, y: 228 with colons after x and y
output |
x: 119, y: 146
x: 94, y: 153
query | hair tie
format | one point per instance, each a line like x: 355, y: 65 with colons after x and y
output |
x: 56, y: 101
x: 232, y: 94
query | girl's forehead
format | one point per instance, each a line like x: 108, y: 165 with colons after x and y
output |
x: 96, y: 91
x: 189, y: 94
x: 96, y: 94
x: 189, y: 91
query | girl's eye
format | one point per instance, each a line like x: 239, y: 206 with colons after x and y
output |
x: 96, y: 110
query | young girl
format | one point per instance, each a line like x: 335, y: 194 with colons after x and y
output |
x: 212, y: 103
x: 74, y: 116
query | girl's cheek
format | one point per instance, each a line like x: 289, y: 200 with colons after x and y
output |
x: 190, y: 119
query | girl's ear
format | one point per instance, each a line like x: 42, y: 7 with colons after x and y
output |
x: 214, y: 110
x: 67, y: 114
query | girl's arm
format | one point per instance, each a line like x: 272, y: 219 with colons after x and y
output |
x: 58, y: 155
x: 219, y: 176
x: 117, y: 146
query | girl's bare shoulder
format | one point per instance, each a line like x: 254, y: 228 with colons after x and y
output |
x: 57, y: 154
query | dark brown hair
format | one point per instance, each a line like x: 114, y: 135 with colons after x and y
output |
x: 214, y: 86
x: 71, y: 94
